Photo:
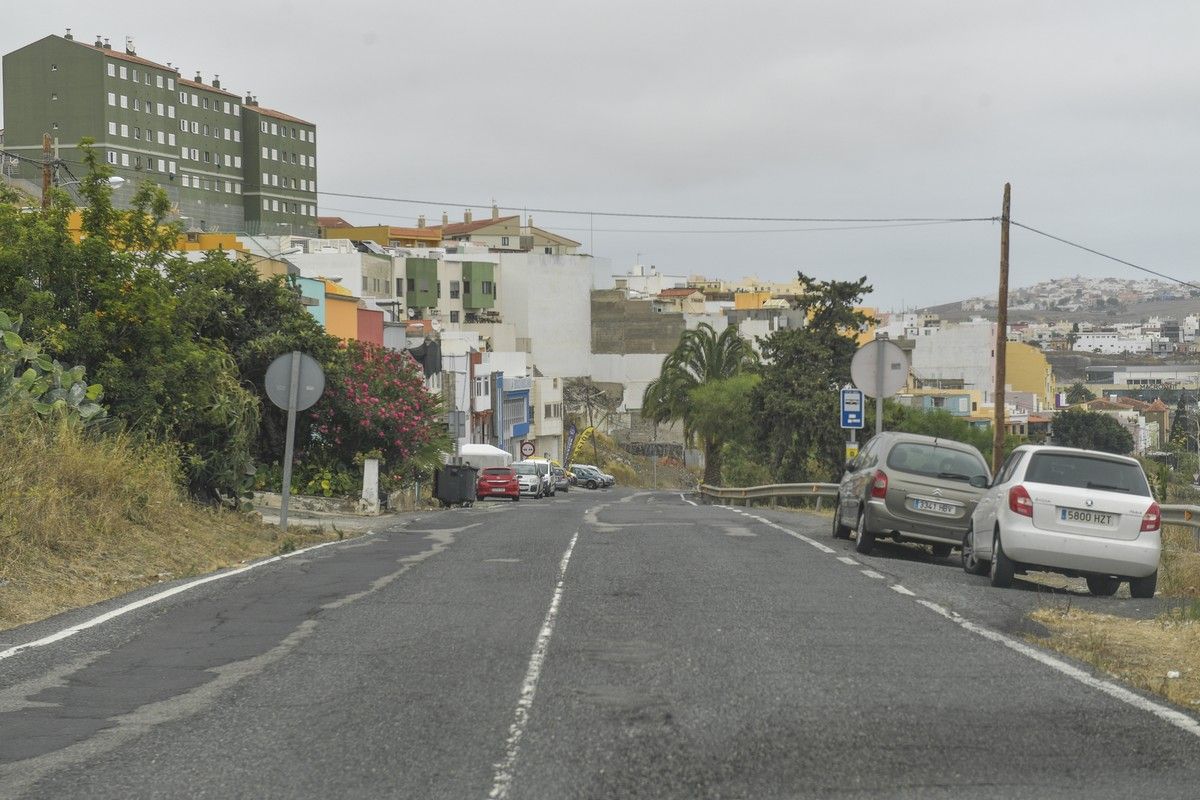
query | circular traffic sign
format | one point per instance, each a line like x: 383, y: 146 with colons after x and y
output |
x: 309, y: 387
x: 865, y: 372
x: 528, y: 448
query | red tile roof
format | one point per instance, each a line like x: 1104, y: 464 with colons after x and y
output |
x: 679, y: 292
x: 270, y: 112
x: 416, y: 233
x: 122, y: 55
x: 460, y: 228
x: 206, y: 87
x: 332, y: 222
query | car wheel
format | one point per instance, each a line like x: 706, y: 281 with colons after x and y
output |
x: 1144, y: 587
x: 1003, y: 569
x: 941, y: 550
x: 1102, y: 585
x: 517, y: 497
x: 840, y: 531
x: 866, y: 539
x: 591, y: 484
x: 971, y: 565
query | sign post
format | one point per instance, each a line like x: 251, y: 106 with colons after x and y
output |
x: 852, y: 418
x: 294, y: 382
x: 880, y: 369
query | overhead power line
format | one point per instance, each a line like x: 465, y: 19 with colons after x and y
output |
x: 646, y: 215
x: 1094, y: 252
x: 742, y: 231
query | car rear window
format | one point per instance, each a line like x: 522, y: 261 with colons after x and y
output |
x: 500, y: 471
x: 526, y: 469
x: 936, y: 462
x: 1087, y: 472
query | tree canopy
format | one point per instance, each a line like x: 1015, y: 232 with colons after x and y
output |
x: 795, y: 407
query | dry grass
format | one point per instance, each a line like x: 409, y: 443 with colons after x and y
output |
x: 85, y: 518
x: 1179, y: 575
x: 1140, y: 652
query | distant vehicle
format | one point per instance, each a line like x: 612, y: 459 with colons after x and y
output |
x: 1081, y: 513
x: 588, y: 476
x: 530, y: 479
x: 912, y: 488
x: 561, y: 482
x: 605, y: 478
x: 543, y: 467
x: 498, y: 482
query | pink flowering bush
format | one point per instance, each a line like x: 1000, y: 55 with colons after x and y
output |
x: 376, y: 403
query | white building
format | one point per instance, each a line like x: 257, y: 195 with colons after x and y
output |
x: 964, y: 352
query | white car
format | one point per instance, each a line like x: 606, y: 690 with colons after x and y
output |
x: 1078, y: 512
x: 530, y: 479
x: 544, y: 473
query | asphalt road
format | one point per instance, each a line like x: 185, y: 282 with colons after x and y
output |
x: 595, y: 645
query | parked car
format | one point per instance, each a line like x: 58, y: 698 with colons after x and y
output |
x: 498, y: 482
x: 588, y: 476
x: 543, y: 467
x: 604, y: 478
x: 1082, y: 513
x: 912, y: 488
x: 561, y: 482
x: 530, y: 479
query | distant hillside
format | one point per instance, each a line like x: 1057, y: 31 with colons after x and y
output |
x: 1081, y: 299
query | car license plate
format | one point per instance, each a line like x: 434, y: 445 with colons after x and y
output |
x: 1086, y: 517
x: 934, y: 507
x: 498, y: 489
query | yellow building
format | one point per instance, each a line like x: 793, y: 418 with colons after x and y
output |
x: 1027, y: 370
x: 341, y: 312
x: 386, y: 235
x: 746, y: 301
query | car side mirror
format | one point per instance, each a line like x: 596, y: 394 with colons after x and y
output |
x: 980, y: 481
x: 849, y: 466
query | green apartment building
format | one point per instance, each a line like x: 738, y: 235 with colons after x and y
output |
x: 225, y: 162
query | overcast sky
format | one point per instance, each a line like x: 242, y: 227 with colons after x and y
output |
x: 750, y: 109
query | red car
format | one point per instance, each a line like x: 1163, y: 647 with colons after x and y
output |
x: 498, y: 482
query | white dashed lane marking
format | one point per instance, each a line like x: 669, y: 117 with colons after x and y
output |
x: 901, y: 590
x: 870, y: 573
x: 848, y: 560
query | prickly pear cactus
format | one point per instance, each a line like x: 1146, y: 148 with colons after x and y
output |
x: 28, y: 375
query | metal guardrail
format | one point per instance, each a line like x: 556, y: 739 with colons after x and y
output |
x: 818, y: 491
x: 1188, y: 516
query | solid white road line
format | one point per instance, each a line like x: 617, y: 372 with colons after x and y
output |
x: 1170, y: 715
x: 684, y: 499
x: 901, y: 590
x: 503, y: 775
x: 155, y: 598
x: 870, y: 573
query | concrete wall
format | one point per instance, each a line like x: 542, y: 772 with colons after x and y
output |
x: 624, y: 326
x: 960, y: 351
x: 546, y: 300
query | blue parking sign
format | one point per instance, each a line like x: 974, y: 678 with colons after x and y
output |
x: 852, y: 408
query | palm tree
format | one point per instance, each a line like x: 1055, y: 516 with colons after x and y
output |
x: 702, y: 356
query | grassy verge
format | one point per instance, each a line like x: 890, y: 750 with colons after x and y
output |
x: 1160, y: 655
x: 84, y: 518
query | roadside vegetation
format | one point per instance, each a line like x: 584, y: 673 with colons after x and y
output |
x: 133, y: 417
x: 87, y: 515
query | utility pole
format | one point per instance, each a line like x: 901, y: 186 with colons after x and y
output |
x: 1001, y: 337
x: 47, y: 169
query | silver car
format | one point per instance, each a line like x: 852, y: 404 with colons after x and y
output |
x: 912, y: 488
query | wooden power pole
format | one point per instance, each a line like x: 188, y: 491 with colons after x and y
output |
x: 47, y: 169
x: 1001, y: 337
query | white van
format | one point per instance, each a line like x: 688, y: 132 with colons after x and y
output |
x: 544, y: 472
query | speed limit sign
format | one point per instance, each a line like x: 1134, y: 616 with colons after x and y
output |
x: 528, y: 448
